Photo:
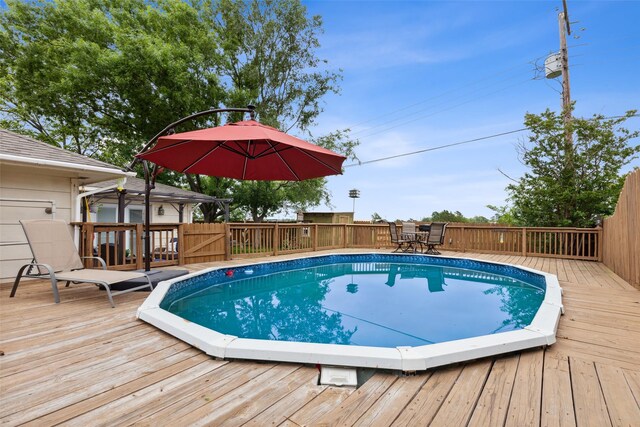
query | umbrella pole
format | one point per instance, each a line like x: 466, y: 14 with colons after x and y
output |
x: 147, y: 217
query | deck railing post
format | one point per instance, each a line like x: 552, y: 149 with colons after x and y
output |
x: 180, y: 247
x: 88, y: 240
x: 599, y: 245
x: 524, y: 242
x: 227, y: 241
x: 139, y: 248
x: 315, y: 237
x: 276, y: 238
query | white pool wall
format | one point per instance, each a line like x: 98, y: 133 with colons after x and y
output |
x: 541, y: 332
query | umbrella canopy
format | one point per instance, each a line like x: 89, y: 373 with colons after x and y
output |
x: 244, y: 150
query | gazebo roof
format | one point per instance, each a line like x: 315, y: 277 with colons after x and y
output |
x: 161, y: 193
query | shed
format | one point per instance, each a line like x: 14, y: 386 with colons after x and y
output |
x: 328, y: 217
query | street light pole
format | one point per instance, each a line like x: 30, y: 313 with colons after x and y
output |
x: 354, y: 194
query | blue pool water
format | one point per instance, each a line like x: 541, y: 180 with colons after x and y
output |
x: 377, y: 300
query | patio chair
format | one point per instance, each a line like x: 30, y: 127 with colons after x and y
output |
x: 55, y: 257
x: 404, y: 244
x: 409, y: 231
x: 435, y: 237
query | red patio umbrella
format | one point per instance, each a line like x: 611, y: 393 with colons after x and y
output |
x: 244, y: 150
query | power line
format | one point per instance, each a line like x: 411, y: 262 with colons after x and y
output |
x: 471, y: 95
x: 439, y: 147
x: 440, y: 110
x: 398, y: 110
x: 436, y: 148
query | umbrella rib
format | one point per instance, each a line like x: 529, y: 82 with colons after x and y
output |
x: 244, y: 167
x: 277, y: 153
x: 201, y: 158
x: 270, y: 151
x: 234, y: 150
x: 167, y: 147
x: 319, y: 160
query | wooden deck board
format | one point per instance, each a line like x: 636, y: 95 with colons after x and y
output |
x: 82, y: 363
x: 590, y: 406
x: 459, y: 405
x: 524, y: 407
x: 557, y: 399
x: 617, y: 395
x: 427, y: 402
x: 491, y: 409
x: 386, y: 409
x: 358, y: 402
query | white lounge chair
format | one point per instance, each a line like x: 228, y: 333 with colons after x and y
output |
x: 55, y: 257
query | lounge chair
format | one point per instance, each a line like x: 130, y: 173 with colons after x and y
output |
x: 435, y: 237
x: 55, y: 257
x: 403, y: 243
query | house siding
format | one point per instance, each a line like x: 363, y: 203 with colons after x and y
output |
x: 37, y: 187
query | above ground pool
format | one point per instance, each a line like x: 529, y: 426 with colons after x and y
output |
x: 393, y: 311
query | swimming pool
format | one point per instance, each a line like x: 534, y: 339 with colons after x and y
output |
x: 393, y: 311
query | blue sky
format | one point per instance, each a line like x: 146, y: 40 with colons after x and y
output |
x: 419, y: 74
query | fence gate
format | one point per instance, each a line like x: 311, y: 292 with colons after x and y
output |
x: 202, y: 243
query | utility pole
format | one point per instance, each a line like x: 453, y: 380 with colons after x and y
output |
x: 565, y: 28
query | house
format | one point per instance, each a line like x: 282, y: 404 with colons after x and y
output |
x: 38, y: 181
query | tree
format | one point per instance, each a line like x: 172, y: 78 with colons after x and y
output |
x: 571, y: 187
x: 101, y: 77
x: 376, y: 218
x: 269, y: 50
x: 503, y: 215
x: 269, y: 56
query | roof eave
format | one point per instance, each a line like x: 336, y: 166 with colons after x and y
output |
x: 64, y: 165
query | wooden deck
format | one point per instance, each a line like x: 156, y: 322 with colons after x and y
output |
x: 83, y: 363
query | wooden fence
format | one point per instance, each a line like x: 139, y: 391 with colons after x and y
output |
x: 621, y: 233
x: 178, y: 244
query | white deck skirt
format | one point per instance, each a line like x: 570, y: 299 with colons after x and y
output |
x: 541, y: 332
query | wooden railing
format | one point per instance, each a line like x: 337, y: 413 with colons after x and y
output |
x: 568, y: 243
x: 120, y: 245
x: 273, y: 239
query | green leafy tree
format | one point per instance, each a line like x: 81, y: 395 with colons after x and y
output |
x: 269, y: 50
x: 503, y: 215
x: 446, y: 216
x: 101, y: 77
x: 375, y: 218
x: 571, y: 185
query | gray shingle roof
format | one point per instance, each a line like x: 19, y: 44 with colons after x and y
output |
x: 135, y: 186
x: 14, y: 144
